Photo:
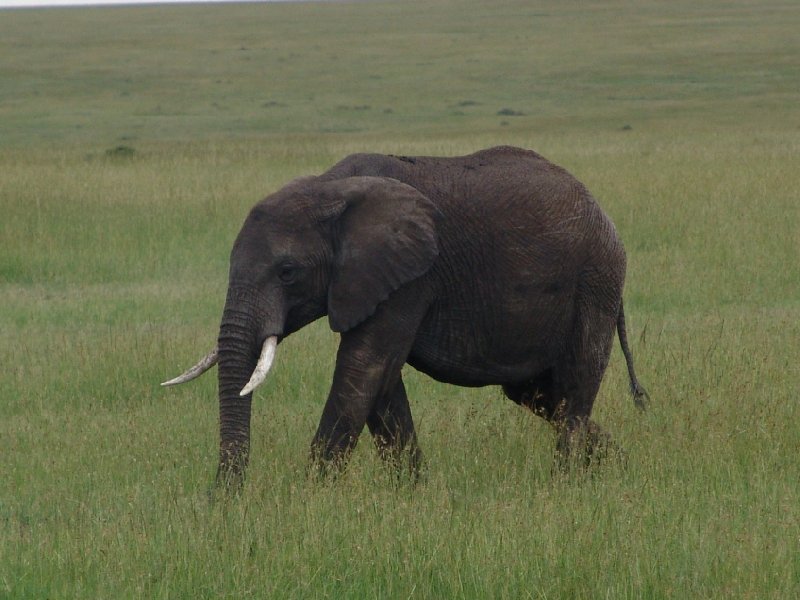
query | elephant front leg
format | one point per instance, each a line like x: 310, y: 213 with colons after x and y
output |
x: 392, y: 429
x: 341, y: 424
x: 366, y: 389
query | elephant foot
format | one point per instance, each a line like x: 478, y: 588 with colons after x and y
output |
x: 327, y: 461
x: 405, y: 464
x: 585, y: 444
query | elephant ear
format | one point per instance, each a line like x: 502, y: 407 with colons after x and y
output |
x: 384, y: 237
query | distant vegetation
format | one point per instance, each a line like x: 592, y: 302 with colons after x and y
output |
x: 132, y: 143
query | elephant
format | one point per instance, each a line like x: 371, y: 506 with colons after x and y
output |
x: 495, y: 268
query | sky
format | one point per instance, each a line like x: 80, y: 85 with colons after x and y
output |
x: 36, y: 3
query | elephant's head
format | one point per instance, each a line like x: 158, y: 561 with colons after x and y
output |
x: 315, y: 247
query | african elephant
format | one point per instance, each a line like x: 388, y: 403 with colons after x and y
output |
x: 496, y: 268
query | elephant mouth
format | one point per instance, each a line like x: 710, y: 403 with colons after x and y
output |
x: 262, y: 368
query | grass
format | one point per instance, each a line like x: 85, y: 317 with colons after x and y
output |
x: 680, y: 118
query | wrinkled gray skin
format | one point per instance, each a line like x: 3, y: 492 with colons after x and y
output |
x: 497, y: 268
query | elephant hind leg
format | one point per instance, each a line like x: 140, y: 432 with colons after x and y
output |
x: 576, y: 382
x: 564, y: 394
x: 576, y: 436
x: 582, y: 442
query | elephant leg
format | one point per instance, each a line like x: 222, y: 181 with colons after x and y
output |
x: 337, y: 434
x: 349, y: 404
x: 576, y: 381
x: 583, y: 443
x: 367, y: 380
x: 564, y: 394
x: 392, y: 429
x: 545, y: 399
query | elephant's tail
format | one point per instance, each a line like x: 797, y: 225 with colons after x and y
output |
x: 640, y: 395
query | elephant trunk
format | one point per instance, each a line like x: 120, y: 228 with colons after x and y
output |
x: 238, y: 351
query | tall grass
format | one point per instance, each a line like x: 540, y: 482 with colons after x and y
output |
x: 113, y: 272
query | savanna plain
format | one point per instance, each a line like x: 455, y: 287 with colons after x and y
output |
x: 134, y: 140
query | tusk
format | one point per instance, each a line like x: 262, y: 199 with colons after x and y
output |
x: 263, y: 365
x: 208, y: 361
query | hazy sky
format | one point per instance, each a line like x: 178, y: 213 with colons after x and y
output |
x: 34, y: 3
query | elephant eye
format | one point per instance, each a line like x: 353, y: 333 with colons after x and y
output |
x: 287, y: 273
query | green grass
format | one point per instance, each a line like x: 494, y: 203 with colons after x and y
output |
x: 682, y: 120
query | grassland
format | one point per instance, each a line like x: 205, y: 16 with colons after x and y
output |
x: 133, y: 140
